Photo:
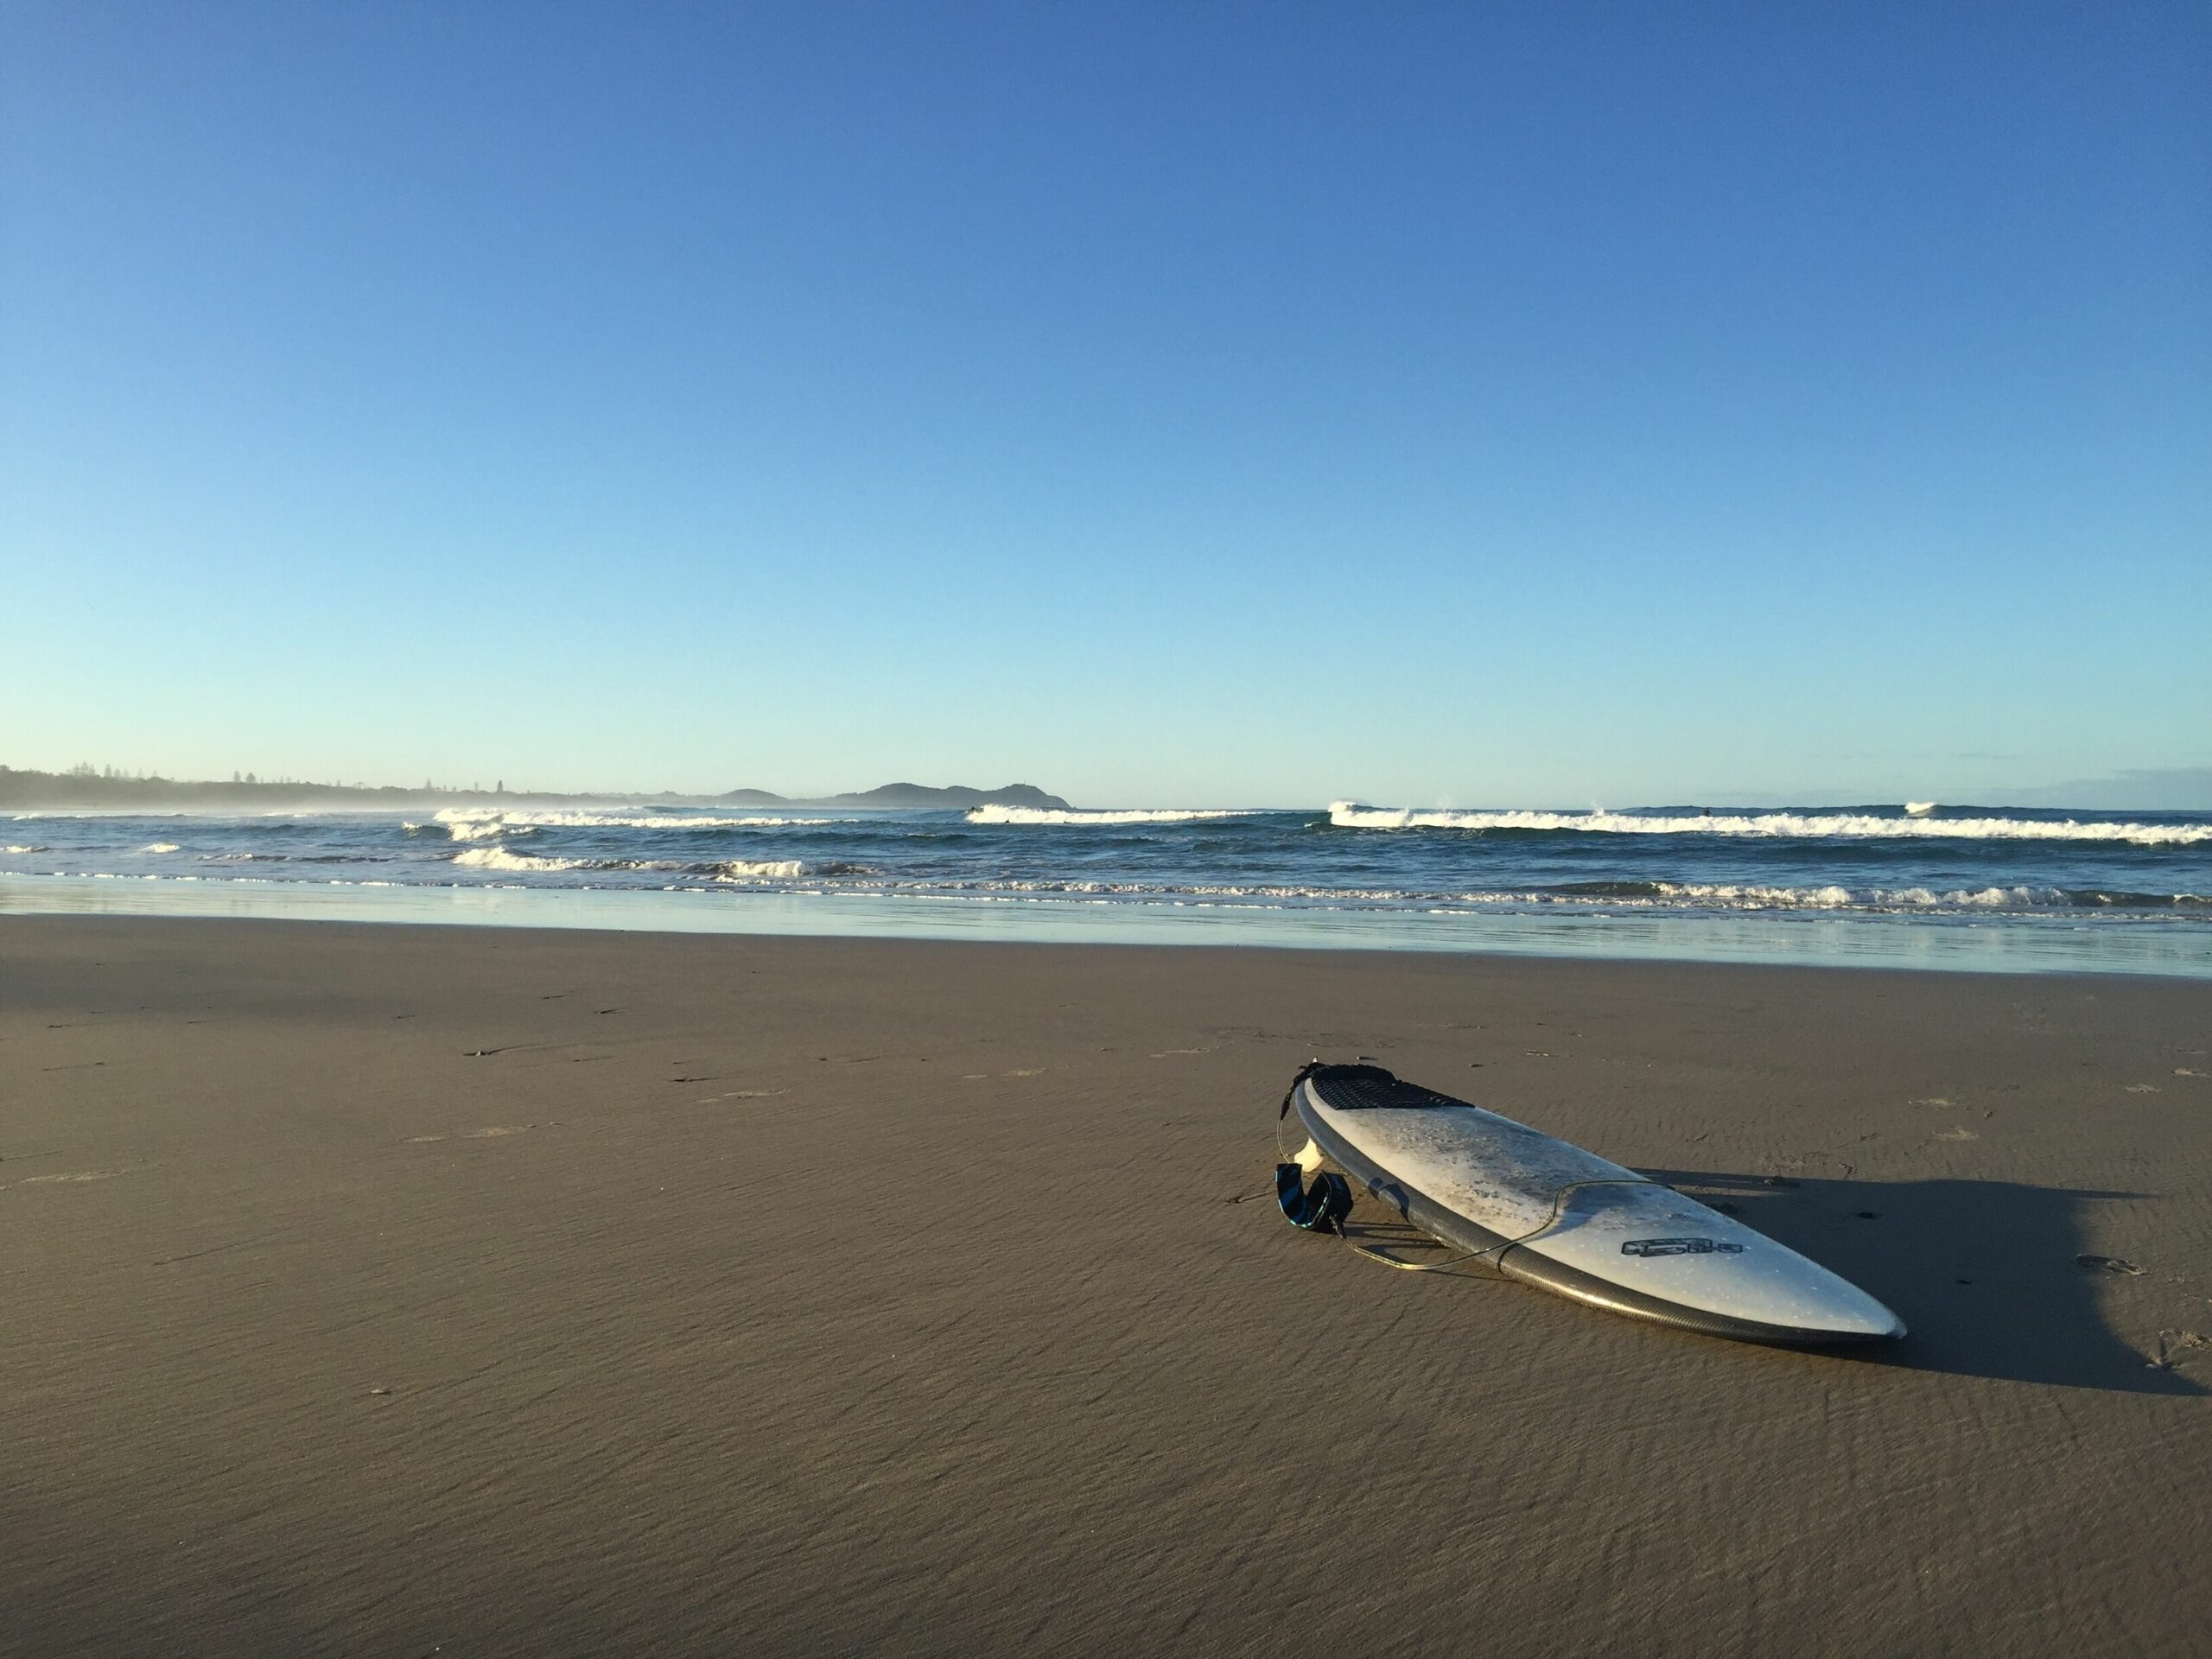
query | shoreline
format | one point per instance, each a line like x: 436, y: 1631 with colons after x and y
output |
x: 1350, y: 957
x: 520, y: 1290
x: 2150, y: 946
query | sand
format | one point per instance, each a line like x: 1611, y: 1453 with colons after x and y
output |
x: 395, y: 1290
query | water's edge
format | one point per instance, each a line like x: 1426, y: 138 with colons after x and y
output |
x: 2056, y: 944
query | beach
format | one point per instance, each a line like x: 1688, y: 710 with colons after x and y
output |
x: 407, y: 1289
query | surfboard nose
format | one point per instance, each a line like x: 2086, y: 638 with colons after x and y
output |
x: 1775, y: 1285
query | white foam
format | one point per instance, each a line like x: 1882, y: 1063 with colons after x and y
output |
x: 486, y: 829
x: 1918, y: 808
x: 159, y: 846
x: 731, y: 869
x: 988, y: 814
x: 22, y: 850
x: 1859, y: 826
x: 1150, y: 889
x: 1658, y: 896
x: 499, y: 858
x: 1836, y: 897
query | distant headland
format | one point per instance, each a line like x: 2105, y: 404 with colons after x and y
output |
x: 105, y: 789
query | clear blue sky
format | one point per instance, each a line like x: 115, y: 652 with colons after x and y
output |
x: 1503, y: 403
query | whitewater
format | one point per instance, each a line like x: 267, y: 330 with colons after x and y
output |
x: 1918, y: 823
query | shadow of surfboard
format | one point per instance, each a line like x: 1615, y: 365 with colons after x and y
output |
x: 1985, y: 1274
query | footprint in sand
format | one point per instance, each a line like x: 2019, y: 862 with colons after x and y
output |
x: 79, y: 1175
x: 1032, y: 1072
x: 2173, y: 1345
x: 742, y: 1094
x: 1933, y: 1100
x: 1956, y: 1135
x: 2110, y: 1264
x: 2142, y: 1088
x: 499, y: 1129
x: 1165, y: 1053
x: 2183, y: 1072
x: 974, y: 1077
x: 417, y: 1140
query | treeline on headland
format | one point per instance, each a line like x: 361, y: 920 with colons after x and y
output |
x: 88, y: 788
x: 109, y: 789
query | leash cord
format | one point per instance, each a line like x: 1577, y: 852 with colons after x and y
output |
x: 1559, y: 1207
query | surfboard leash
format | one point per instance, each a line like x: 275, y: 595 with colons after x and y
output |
x: 1273, y: 1191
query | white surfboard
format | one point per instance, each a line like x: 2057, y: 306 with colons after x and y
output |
x: 1570, y: 1221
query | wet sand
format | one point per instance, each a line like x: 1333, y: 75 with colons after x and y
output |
x: 396, y: 1290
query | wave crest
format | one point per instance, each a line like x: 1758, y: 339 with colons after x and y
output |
x: 764, y: 869
x: 989, y: 814
x: 1798, y: 826
x: 499, y: 858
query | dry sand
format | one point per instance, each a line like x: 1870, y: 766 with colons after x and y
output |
x: 390, y: 1290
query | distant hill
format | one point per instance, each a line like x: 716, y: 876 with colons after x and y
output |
x: 87, y: 789
x: 913, y: 796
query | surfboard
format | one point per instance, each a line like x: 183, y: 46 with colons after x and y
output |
x: 1557, y: 1216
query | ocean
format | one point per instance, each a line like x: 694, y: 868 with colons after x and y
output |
x: 1923, y: 885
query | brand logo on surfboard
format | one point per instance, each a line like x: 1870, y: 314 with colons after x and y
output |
x: 1680, y: 1247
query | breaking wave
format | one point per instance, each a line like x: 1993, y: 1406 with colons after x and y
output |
x: 1862, y: 826
x: 733, y: 869
x: 987, y: 814
x: 159, y: 846
x: 472, y: 829
x: 499, y: 858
